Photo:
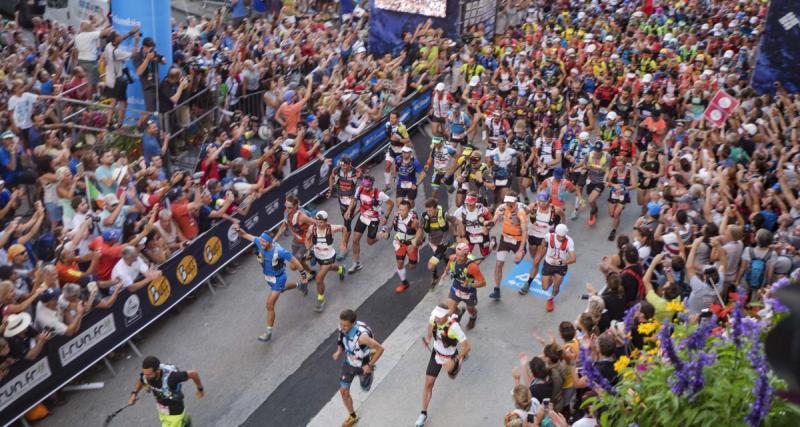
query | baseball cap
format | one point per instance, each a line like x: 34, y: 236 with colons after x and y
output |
x: 598, y: 146
x: 321, y: 215
x: 15, y: 250
x: 310, y: 118
x: 7, y: 135
x: 509, y: 199
x: 110, y: 235
x: 583, y: 136
x: 407, y: 149
x: 50, y: 294
x: 438, y: 312
x: 558, y: 172
x: 288, y: 95
x: 471, y: 200
x: 111, y: 199
x: 440, y: 86
x: 653, y: 209
x: 561, y: 230
x: 543, y: 196
x: 611, y: 115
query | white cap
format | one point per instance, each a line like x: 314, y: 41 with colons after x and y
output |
x: 614, y: 56
x: 728, y: 54
x: 474, y: 80
x: 440, y: 86
x: 750, y: 128
x: 754, y: 20
x: 609, y: 38
x: 717, y: 33
x: 718, y: 26
x: 209, y: 46
x: 438, y: 312
x: 588, y: 36
x: 581, y: 15
x: 509, y: 199
x: 406, y: 149
x: 611, y: 115
x: 583, y: 136
x: 638, y: 14
x: 591, y: 48
x: 708, y: 72
x: 630, y: 76
x: 570, y: 51
x: 361, y: 49
x: 359, y: 12
x: 647, y: 78
x: 561, y: 230
x: 321, y: 215
x: 705, y: 27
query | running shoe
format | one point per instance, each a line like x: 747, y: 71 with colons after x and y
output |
x: 524, y: 289
x: 402, y: 287
x: 612, y: 235
x: 312, y: 275
x: 434, y: 282
x: 341, y: 272
x: 303, y: 288
x: 549, y: 305
x: 592, y: 219
x: 574, y: 215
x: 366, y: 381
x: 421, y: 420
x: 460, y: 314
x: 320, y: 306
x: 495, y: 295
x: 350, y: 421
x: 265, y: 337
x: 471, y: 322
x: 355, y: 267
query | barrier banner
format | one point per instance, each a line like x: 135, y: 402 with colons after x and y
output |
x: 386, y: 27
x: 154, y: 19
x: 102, y: 331
x: 777, y: 60
x: 478, y: 12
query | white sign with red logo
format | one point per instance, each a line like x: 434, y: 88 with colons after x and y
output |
x: 720, y: 108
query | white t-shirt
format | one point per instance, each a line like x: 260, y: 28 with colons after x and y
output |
x: 128, y: 273
x: 45, y: 317
x: 115, y: 62
x: 22, y: 107
x: 86, y: 43
x: 555, y: 253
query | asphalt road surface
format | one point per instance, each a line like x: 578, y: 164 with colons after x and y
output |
x: 292, y: 380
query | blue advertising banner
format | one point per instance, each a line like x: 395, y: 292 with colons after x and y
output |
x: 777, y: 60
x: 386, y: 27
x: 28, y: 382
x: 154, y: 20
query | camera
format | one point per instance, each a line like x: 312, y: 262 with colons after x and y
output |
x: 127, y: 73
x: 158, y: 57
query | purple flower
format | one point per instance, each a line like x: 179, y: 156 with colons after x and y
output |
x: 736, y: 319
x: 682, y: 378
x: 596, y: 379
x: 629, y: 320
x: 762, y: 391
x: 697, y: 340
x: 775, y: 303
x: 695, y: 368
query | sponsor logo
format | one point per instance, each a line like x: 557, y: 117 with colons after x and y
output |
x: 212, y: 251
x: 232, y: 234
x: 251, y: 222
x: 131, y: 310
x: 373, y: 138
x: 324, y: 170
x: 158, y: 291
x: 186, y: 270
x: 16, y: 387
x: 86, y: 340
x: 309, y: 182
x: 272, y: 207
x: 294, y: 192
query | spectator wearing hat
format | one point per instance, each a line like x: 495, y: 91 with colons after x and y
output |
x: 146, y: 61
x: 110, y: 248
x: 50, y: 318
x: 131, y: 272
x: 288, y: 114
x: 115, y: 214
x: 11, y: 168
x: 173, y: 90
x: 22, y: 342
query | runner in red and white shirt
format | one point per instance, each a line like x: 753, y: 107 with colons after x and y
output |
x: 543, y: 216
x: 368, y: 217
x: 560, y: 253
x: 441, y: 101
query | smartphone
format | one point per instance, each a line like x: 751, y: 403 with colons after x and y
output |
x: 546, y: 404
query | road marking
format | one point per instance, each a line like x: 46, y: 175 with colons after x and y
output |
x: 519, y: 276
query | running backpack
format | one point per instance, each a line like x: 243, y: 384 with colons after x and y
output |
x: 361, y: 328
x: 640, y: 291
x: 757, y: 270
x: 564, y: 243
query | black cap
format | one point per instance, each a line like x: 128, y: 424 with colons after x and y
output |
x: 598, y: 146
x: 148, y: 41
x: 175, y: 194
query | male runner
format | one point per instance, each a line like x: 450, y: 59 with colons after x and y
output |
x: 474, y: 223
x: 543, y: 216
x: 467, y: 277
x: 499, y: 160
x: 515, y: 226
x: 298, y: 221
x: 344, y: 179
x: 406, y: 169
x: 407, y: 239
x: 446, y: 334
x: 273, y: 259
x: 548, y: 155
x: 435, y: 223
x: 472, y: 175
x: 621, y: 181
x: 558, y: 188
x: 361, y: 353
x: 460, y: 126
x: 521, y: 142
x: 164, y: 382
x: 597, y: 164
x: 577, y: 170
x: 319, y: 240
x: 398, y: 138
x: 560, y: 253
x: 440, y: 159
x: 369, y: 200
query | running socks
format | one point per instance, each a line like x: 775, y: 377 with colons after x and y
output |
x: 401, y: 272
x: 387, y: 176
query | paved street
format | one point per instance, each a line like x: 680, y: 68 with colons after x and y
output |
x: 292, y: 380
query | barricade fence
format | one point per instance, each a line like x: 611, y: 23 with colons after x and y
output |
x: 102, y: 331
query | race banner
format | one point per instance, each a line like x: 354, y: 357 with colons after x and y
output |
x: 102, y: 331
x: 386, y: 27
x: 778, y: 59
x: 478, y: 12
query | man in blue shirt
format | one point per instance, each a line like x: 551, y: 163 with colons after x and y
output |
x: 238, y: 11
x: 11, y: 169
x: 273, y: 259
x: 150, y: 144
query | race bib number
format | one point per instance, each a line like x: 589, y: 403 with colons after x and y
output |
x: 406, y: 184
x: 270, y: 279
x: 345, y: 201
x: 162, y: 409
x: 618, y: 195
x: 476, y: 238
x: 396, y: 244
x: 463, y: 295
x: 365, y: 219
x: 501, y: 182
x: 509, y: 239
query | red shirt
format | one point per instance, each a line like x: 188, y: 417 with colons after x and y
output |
x: 304, y: 154
x: 109, y: 255
x: 184, y: 219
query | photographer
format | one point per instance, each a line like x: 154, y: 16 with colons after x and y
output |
x: 117, y: 75
x: 174, y: 90
x: 146, y: 61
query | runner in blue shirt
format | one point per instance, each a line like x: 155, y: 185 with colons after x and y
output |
x: 406, y: 168
x: 273, y: 259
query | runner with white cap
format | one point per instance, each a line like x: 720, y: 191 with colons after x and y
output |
x: 446, y: 335
x: 515, y: 227
x: 543, y: 216
x: 560, y: 253
x: 406, y: 168
x: 319, y: 240
x: 441, y: 100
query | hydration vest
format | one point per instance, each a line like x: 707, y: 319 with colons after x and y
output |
x: 439, y: 224
x: 165, y: 393
x: 403, y: 227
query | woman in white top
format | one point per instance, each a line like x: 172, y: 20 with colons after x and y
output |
x: 319, y: 239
